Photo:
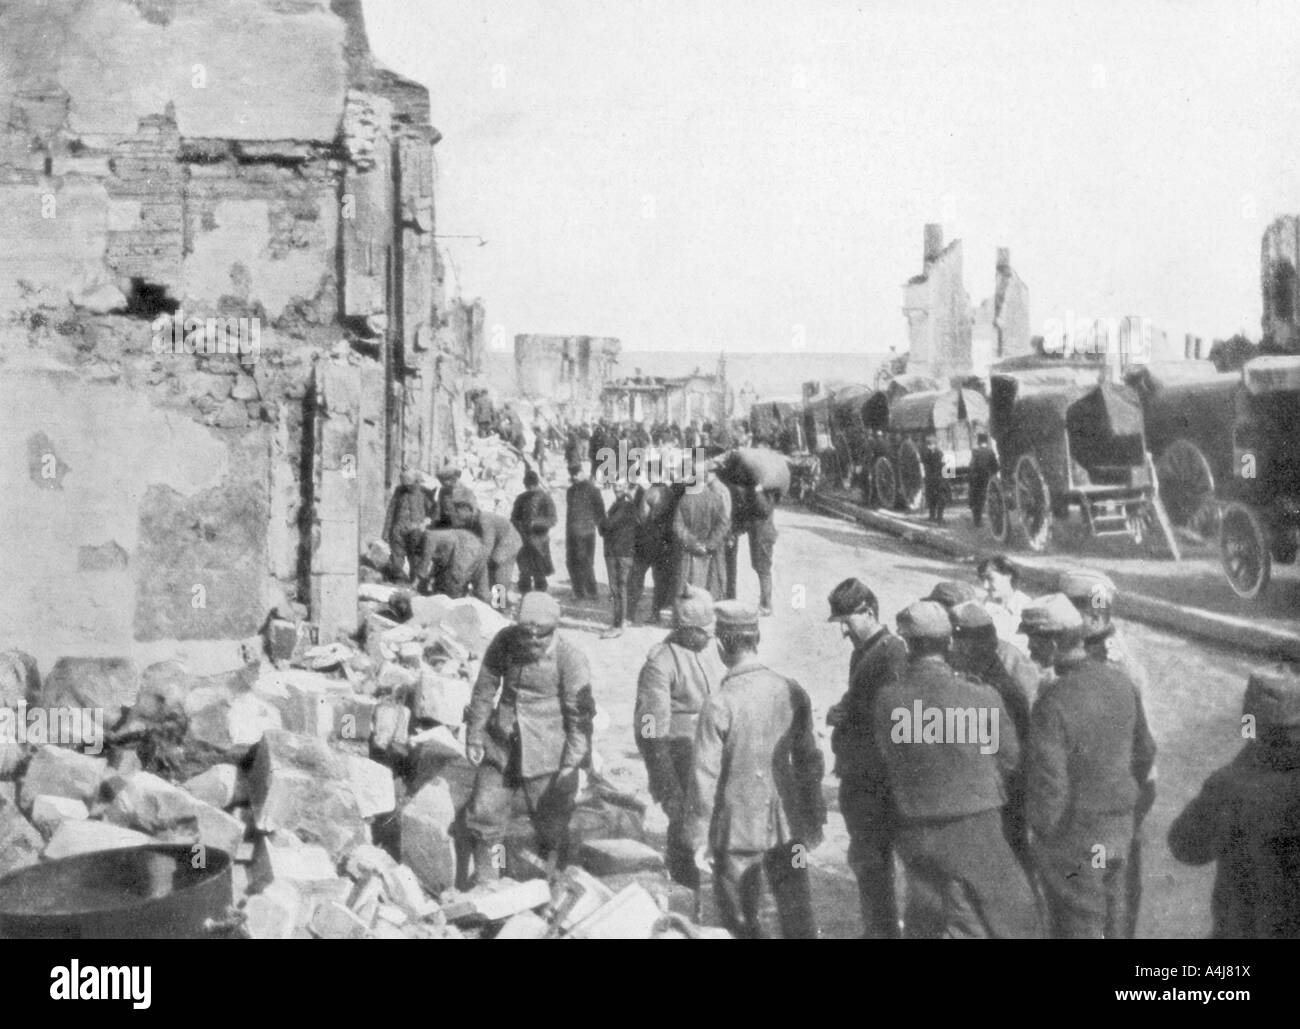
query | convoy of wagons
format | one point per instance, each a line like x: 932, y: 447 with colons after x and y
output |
x: 1179, y: 445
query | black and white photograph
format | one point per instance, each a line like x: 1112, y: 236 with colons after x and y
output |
x: 641, y: 469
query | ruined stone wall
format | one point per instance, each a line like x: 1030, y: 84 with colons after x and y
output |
x: 938, y: 311
x: 1279, y: 282
x: 567, y: 370
x: 166, y: 163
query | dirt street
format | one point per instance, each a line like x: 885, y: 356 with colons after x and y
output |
x: 1193, y: 703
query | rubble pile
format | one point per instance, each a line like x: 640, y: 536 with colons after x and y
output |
x: 492, y: 470
x: 335, y: 775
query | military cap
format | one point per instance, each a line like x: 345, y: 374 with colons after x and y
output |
x: 924, y: 620
x: 694, y: 610
x: 951, y: 593
x: 447, y: 470
x: 1050, y: 614
x: 733, y: 616
x: 1083, y: 584
x: 461, y: 495
x: 970, y: 617
x: 1273, y: 698
x: 849, y: 598
x: 539, y: 612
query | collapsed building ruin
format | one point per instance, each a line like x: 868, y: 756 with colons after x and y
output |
x: 176, y: 176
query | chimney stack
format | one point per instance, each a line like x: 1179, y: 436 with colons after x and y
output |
x: 1004, y: 259
x: 933, y: 241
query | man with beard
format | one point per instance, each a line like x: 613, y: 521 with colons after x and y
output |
x: 878, y: 658
x: 679, y: 675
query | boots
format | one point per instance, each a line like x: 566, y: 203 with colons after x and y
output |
x: 764, y: 593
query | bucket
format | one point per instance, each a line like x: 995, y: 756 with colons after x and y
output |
x: 151, y: 892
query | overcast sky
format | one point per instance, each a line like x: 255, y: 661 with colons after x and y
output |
x: 687, y: 174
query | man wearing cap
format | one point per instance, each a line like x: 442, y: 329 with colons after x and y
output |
x: 756, y: 801
x: 501, y: 546
x: 408, y: 513
x: 950, y: 593
x: 535, y: 738
x: 978, y: 654
x: 1093, y: 595
x: 949, y: 751
x: 935, y: 463
x: 700, y: 527
x: 879, y: 658
x: 1247, y: 818
x: 654, y: 551
x: 983, y: 466
x: 584, y: 510
x: 679, y: 675
x: 444, y: 516
x: 1089, y: 760
x: 533, y: 516
x: 618, y: 532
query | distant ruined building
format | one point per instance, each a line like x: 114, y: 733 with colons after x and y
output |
x: 946, y: 336
x: 567, y: 372
x: 1280, y: 284
x: 164, y: 167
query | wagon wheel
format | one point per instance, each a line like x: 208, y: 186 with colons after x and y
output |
x: 1244, y: 547
x: 1034, y: 502
x: 1187, y: 488
x: 882, y: 476
x: 911, y: 476
x: 995, y: 510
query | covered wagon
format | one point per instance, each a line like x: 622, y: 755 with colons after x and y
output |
x: 955, y: 417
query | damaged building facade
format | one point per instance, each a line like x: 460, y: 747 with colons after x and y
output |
x: 1279, y: 283
x: 166, y: 169
x: 567, y: 372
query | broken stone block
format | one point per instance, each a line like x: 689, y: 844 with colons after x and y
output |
x: 146, y: 802
x: 404, y: 890
x: 20, y: 679
x: 383, y: 930
x: 524, y: 926
x: 428, y: 611
x: 438, y: 743
x: 298, y: 783
x: 218, y: 830
x: 233, y: 725
x: 309, y: 709
x: 20, y: 842
x: 630, y: 915
x: 218, y: 786
x: 372, y: 785
x: 355, y: 718
x: 505, y: 898
x: 618, y: 857
x: 282, y: 857
x: 425, y: 836
x: 333, y: 921
x: 392, y: 914
x: 473, y: 622
x: 245, y: 389
x: 376, y: 626
x: 85, y: 837
x: 439, y: 698
x: 392, y: 726
x: 272, y: 914
x: 396, y: 678
x: 48, y: 813
x: 379, y: 592
x: 107, y: 684
x: 366, y: 860
x: 281, y: 639
x: 230, y: 414
x: 579, y: 896
x: 367, y: 897
x: 57, y: 772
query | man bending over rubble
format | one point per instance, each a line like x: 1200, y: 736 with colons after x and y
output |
x: 535, y: 739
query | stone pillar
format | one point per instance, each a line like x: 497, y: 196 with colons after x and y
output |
x: 335, y: 539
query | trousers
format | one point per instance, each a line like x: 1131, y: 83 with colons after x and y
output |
x: 1085, y: 877
x: 871, y: 825
x: 550, y: 806
x: 619, y: 570
x: 580, y: 561
x: 744, y: 880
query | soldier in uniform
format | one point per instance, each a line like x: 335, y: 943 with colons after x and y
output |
x: 700, y: 528
x: 752, y: 511
x: 963, y: 879
x: 404, y: 524
x: 584, y: 511
x: 536, y: 737
x: 679, y: 675
x: 452, y: 562
x: 533, y: 517
x: 1247, y: 818
x: 654, y: 550
x: 501, y: 546
x: 1089, y: 761
x: 444, y: 515
x: 1093, y: 596
x: 757, y: 800
x: 950, y: 593
x: 936, y: 481
x: 878, y: 659
x: 983, y: 466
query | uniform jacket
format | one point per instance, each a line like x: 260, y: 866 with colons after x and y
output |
x: 656, y: 506
x: 674, y: 684
x: 407, y: 511
x: 500, y: 539
x: 451, y: 560
x: 1113, y: 647
x: 547, y: 703
x: 619, y: 528
x: 983, y: 466
x: 533, y: 517
x: 700, y: 528
x: 877, y: 663
x: 584, y: 509
x: 758, y: 769
x: 932, y: 460
x: 948, y: 780
x: 1015, y: 678
x: 1247, y: 818
x: 1089, y: 748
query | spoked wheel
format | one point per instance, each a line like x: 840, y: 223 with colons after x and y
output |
x: 995, y: 510
x: 1243, y: 545
x: 882, y: 477
x: 1187, y: 488
x: 911, y: 476
x: 1034, y: 502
